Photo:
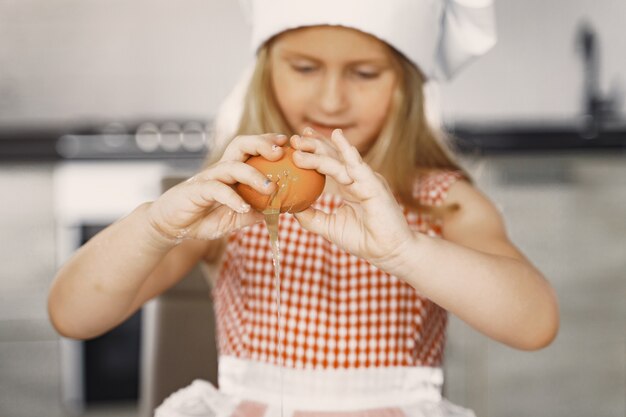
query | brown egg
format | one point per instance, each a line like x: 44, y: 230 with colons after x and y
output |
x: 298, y: 188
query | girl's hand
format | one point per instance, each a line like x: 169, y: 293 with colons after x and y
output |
x: 370, y: 224
x: 314, y: 142
x: 206, y: 206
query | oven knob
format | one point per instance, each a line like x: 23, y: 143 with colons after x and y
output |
x: 148, y: 137
x: 171, y: 136
x: 194, y: 137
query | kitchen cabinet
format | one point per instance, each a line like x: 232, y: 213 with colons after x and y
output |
x: 566, y: 212
x: 29, y: 350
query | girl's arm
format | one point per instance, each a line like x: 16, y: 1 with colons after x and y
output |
x: 479, y: 275
x: 476, y: 273
x: 155, y: 246
x: 115, y: 273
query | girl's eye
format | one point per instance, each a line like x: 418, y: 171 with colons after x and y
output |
x: 304, y: 69
x: 366, y: 75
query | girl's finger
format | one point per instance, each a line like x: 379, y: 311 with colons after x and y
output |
x: 306, y: 144
x: 267, y: 145
x: 223, y: 221
x: 324, y: 165
x: 231, y: 172
x: 315, y: 221
x: 366, y: 183
x: 348, y: 152
x: 309, y: 131
x: 311, y: 141
x: 204, y: 194
x: 357, y: 169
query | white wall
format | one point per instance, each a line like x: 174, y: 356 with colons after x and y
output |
x: 535, y: 70
x: 117, y: 58
x: 177, y: 58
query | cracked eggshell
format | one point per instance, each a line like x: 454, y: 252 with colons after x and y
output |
x: 298, y: 188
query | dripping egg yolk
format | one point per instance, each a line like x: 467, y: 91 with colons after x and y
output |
x: 297, y: 188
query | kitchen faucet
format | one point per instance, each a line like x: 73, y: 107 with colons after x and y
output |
x: 598, y: 109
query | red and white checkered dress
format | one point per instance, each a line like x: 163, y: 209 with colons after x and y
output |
x: 338, y: 311
x: 354, y: 337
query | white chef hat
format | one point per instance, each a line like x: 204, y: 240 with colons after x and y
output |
x: 438, y: 36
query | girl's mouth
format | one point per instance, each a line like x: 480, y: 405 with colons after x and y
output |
x: 326, y: 129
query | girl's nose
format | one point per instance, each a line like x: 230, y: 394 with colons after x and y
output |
x: 333, y: 95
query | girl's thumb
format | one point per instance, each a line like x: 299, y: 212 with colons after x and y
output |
x: 313, y: 221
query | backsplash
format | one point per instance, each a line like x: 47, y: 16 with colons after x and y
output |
x: 76, y: 59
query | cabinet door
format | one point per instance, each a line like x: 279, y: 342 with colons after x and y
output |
x: 29, y: 347
x: 567, y: 214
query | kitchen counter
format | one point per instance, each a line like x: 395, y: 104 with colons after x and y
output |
x: 23, y: 143
x: 41, y: 143
x: 181, y: 139
x: 536, y: 137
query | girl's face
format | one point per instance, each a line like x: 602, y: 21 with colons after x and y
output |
x: 330, y: 77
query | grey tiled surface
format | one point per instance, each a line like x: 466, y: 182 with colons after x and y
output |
x: 30, y: 379
x: 570, y: 378
x: 29, y: 354
x: 30, y: 383
x: 567, y: 215
x: 27, y: 241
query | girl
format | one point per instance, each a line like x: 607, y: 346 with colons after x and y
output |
x: 399, y: 237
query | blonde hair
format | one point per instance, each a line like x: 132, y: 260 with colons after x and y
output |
x: 406, y: 148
